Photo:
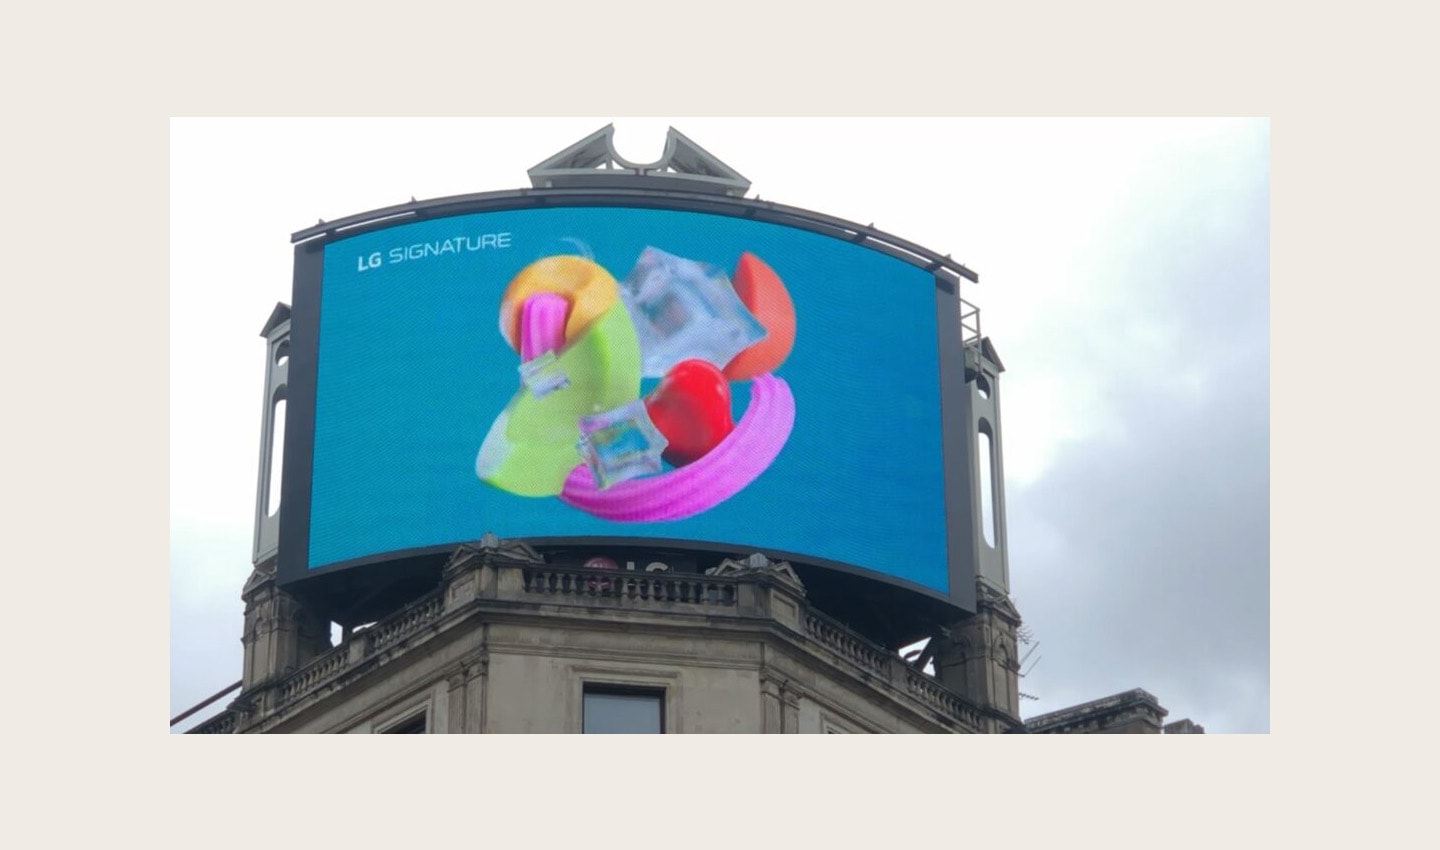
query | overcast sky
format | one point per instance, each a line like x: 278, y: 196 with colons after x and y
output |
x: 1124, y: 269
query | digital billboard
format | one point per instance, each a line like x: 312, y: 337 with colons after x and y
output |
x: 619, y: 372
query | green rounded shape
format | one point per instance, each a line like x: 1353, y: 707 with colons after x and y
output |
x: 530, y: 449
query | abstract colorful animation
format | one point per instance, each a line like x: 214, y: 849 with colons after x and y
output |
x: 578, y: 427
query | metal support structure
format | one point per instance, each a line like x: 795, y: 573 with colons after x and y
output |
x: 276, y: 333
x: 194, y: 708
x: 635, y: 192
x: 593, y: 163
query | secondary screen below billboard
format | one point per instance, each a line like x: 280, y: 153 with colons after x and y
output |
x: 627, y: 372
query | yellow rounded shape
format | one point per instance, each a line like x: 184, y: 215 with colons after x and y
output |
x: 590, y: 290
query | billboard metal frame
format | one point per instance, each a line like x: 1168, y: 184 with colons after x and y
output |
x: 957, y: 328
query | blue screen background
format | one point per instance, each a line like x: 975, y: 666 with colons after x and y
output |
x: 412, y: 370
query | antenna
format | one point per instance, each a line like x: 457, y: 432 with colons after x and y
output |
x: 1025, y: 636
x: 1027, y: 654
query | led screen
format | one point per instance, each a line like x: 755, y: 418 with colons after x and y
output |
x: 625, y: 372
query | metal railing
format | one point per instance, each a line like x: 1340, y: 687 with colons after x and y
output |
x: 969, y: 323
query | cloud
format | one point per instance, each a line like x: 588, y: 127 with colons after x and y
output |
x: 1141, y: 556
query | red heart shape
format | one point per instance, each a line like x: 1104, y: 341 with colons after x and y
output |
x: 691, y: 407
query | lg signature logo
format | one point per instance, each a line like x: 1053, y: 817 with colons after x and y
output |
x: 438, y: 248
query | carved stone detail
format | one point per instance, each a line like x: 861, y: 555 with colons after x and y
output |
x: 479, y: 665
x: 262, y: 574
x: 491, y: 551
x: 757, y: 564
x: 469, y: 669
x: 977, y: 656
x: 994, y: 602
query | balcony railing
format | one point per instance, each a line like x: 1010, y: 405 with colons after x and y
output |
x: 630, y: 587
x: 221, y: 724
x: 403, y: 624
x: 941, y: 698
x: 383, y: 635
x: 882, y: 663
x: 834, y: 635
x: 314, y: 674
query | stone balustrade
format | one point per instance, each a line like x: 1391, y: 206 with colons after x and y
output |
x: 878, y: 661
x: 221, y: 724
x: 406, y: 622
x: 942, y: 699
x: 639, y: 588
x: 869, y: 656
x: 717, y: 595
x: 313, y: 675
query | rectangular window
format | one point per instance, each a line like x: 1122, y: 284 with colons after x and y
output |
x: 621, y: 710
x: 409, y: 726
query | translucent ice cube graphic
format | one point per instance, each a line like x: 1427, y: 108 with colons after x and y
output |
x: 621, y: 444
x: 685, y: 310
x: 543, y: 375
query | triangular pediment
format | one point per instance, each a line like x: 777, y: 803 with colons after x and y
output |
x: 493, y: 549
x: 264, y: 572
x: 593, y: 163
x: 758, y: 564
x: 278, y: 316
x: 988, y: 349
x: 593, y: 151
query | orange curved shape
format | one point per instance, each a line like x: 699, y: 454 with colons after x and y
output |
x: 763, y: 293
x: 590, y: 290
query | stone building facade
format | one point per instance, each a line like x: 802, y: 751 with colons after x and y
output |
x: 1134, y: 712
x: 509, y: 644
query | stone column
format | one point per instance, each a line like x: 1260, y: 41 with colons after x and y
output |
x: 466, y: 695
x: 477, y: 686
x: 790, y: 706
x: 280, y: 635
x: 976, y: 657
x: 772, y: 713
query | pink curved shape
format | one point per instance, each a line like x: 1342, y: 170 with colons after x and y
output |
x: 542, y: 325
x: 727, y: 469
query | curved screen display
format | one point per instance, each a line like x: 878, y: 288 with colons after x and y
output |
x: 626, y: 372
